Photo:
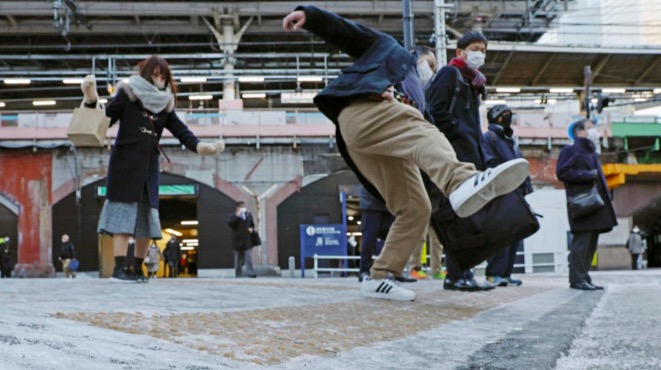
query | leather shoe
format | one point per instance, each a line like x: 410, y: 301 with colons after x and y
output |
x: 480, y: 286
x: 582, y: 286
x: 461, y: 285
x: 596, y: 287
x: 404, y: 279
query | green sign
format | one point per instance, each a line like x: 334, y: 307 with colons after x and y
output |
x: 163, y: 190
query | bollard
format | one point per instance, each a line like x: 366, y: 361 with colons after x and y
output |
x: 292, y: 266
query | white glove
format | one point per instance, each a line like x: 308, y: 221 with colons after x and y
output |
x: 210, y: 149
x: 89, y: 89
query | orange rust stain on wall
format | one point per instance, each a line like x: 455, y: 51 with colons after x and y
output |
x: 25, y: 177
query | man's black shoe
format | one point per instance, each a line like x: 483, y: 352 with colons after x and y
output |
x: 252, y: 276
x: 480, y: 286
x: 596, y: 287
x: 362, y: 276
x: 404, y: 279
x: 582, y: 286
x: 461, y: 285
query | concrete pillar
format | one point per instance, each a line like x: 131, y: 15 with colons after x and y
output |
x: 229, y: 40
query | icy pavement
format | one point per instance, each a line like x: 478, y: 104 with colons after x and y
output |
x: 280, y: 323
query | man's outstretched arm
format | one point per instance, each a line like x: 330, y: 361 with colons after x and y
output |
x: 352, y: 38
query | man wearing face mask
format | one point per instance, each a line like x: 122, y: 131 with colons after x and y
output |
x: 242, y: 225
x: 579, y: 169
x: 453, y: 99
x: 501, y: 144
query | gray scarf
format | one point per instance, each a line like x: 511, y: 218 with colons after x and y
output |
x: 153, y: 99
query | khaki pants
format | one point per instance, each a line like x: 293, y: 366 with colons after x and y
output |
x: 390, y: 143
x: 65, y: 268
x: 435, y: 251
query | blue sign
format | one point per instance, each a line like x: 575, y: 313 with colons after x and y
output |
x: 324, y: 240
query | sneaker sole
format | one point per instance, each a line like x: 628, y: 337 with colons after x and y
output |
x: 116, y: 280
x: 504, y: 181
x: 387, y: 296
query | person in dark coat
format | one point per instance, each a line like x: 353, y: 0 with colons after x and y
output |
x: 376, y: 105
x: 501, y: 145
x: 579, y: 169
x: 172, y: 253
x: 5, y: 258
x: 460, y: 122
x: 144, y: 107
x: 67, y: 254
x: 242, y: 225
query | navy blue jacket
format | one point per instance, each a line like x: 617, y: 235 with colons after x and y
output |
x: 380, y: 62
x: 462, y: 125
x: 368, y: 202
x: 574, y: 169
x: 134, y: 158
x: 503, y: 148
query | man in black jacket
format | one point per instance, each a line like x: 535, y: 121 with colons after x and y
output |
x: 67, y: 254
x: 579, y: 169
x: 501, y: 144
x: 381, y: 134
x: 172, y: 254
x: 242, y: 226
x: 453, y: 100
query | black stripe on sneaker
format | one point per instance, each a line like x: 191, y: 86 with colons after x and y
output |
x: 388, y: 290
x: 378, y: 290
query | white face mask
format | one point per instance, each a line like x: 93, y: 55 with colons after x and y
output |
x: 160, y: 84
x: 475, y: 59
x: 593, y: 135
x: 425, y: 72
x: 243, y: 209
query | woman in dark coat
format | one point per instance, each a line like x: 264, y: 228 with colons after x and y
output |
x: 579, y: 169
x: 144, y: 107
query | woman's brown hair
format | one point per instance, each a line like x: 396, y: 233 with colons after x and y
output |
x: 147, y: 67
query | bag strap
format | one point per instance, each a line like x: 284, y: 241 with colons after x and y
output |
x: 457, y: 88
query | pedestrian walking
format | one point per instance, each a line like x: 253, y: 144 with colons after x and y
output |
x: 636, y: 247
x: 172, y: 254
x: 152, y: 259
x: 67, y: 254
x: 242, y: 225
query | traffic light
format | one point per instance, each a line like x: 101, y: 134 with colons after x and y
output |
x: 603, y: 101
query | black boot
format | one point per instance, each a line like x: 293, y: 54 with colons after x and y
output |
x: 121, y: 272
x: 137, y: 269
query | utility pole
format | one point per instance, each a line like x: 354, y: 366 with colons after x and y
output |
x: 440, y: 32
x: 587, y: 74
x: 408, y: 24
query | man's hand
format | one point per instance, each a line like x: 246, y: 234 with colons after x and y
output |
x: 294, y: 21
x: 389, y: 94
x: 210, y: 149
x: 250, y: 230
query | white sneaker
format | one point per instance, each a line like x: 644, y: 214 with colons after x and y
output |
x: 483, y: 187
x: 386, y: 288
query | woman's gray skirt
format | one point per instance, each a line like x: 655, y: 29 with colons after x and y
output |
x: 128, y: 218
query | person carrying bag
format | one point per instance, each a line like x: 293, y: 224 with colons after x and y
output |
x: 579, y: 169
